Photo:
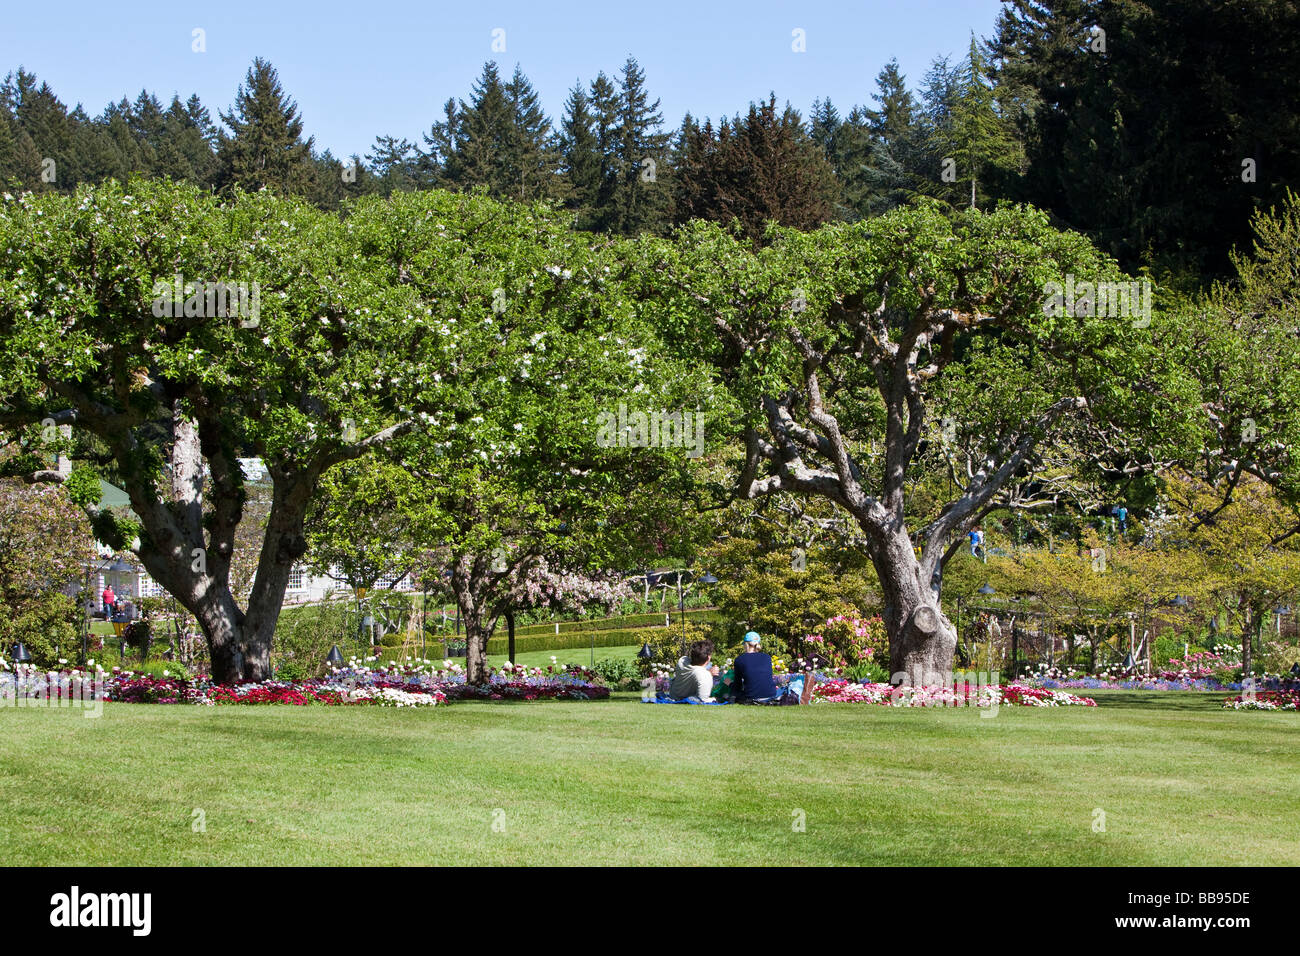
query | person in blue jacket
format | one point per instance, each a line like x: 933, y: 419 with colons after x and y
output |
x: 753, y: 682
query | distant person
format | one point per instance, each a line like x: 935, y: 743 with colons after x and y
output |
x: 753, y: 668
x: 977, y: 542
x: 693, y: 680
x: 110, y: 602
x: 1122, y: 514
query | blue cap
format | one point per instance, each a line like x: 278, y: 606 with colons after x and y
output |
x: 752, y: 637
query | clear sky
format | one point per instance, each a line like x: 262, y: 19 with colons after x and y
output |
x: 361, y: 69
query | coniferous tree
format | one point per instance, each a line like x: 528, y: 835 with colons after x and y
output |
x: 641, y: 195
x: 532, y: 160
x: 435, y: 164
x: 895, y: 156
x: 187, y: 148
x: 48, y: 141
x: 605, y: 114
x: 581, y: 159
x: 265, y: 148
x: 394, y: 163
x: 762, y: 168
x: 336, y: 180
x: 845, y: 142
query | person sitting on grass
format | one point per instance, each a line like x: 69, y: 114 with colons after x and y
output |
x: 693, y: 680
x: 753, y: 682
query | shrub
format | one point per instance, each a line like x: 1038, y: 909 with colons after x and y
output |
x: 48, y: 625
x: 667, y: 643
x: 1230, y: 674
x: 624, y: 622
x: 159, y: 670
x: 305, y: 634
x: 391, y: 640
x: 845, y: 641
x: 868, y: 672
x: 767, y: 591
x: 1276, y: 657
x: 139, y: 635
x: 291, y: 671
x: 575, y: 639
x: 619, y: 673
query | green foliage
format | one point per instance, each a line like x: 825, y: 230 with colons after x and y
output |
x: 765, y: 591
x: 758, y: 169
x: 138, y: 635
x: 844, y: 641
x: 1117, y: 143
x: 667, y: 643
x: 1278, y: 657
x: 305, y: 634
x: 82, y: 487
x: 47, y: 623
x: 867, y: 672
x: 265, y: 148
x: 293, y: 670
x: 155, y: 668
x: 618, y: 673
x: 605, y: 638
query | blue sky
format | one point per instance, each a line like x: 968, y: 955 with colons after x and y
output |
x: 358, y: 70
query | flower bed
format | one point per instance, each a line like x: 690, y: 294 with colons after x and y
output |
x: 1265, y: 700
x: 836, y: 691
x: 412, y: 684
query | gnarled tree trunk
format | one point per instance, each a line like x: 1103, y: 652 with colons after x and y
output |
x: 922, y: 640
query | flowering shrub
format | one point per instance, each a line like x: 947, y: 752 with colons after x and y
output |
x: 844, y: 642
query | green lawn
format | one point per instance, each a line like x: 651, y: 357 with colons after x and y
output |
x: 1180, y: 782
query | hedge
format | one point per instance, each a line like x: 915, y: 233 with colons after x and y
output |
x: 626, y: 622
x: 611, y: 637
x: 621, y: 637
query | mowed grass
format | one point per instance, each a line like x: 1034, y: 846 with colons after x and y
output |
x: 1179, y: 781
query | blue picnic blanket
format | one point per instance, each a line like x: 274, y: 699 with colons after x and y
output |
x: 669, y: 700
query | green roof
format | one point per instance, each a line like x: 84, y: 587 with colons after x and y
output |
x: 111, y: 496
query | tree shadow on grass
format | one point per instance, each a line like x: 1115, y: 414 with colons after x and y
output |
x: 1182, y: 701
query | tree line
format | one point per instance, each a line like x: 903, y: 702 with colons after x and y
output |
x: 1155, y: 129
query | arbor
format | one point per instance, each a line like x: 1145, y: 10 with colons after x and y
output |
x: 855, y: 350
x: 176, y: 386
